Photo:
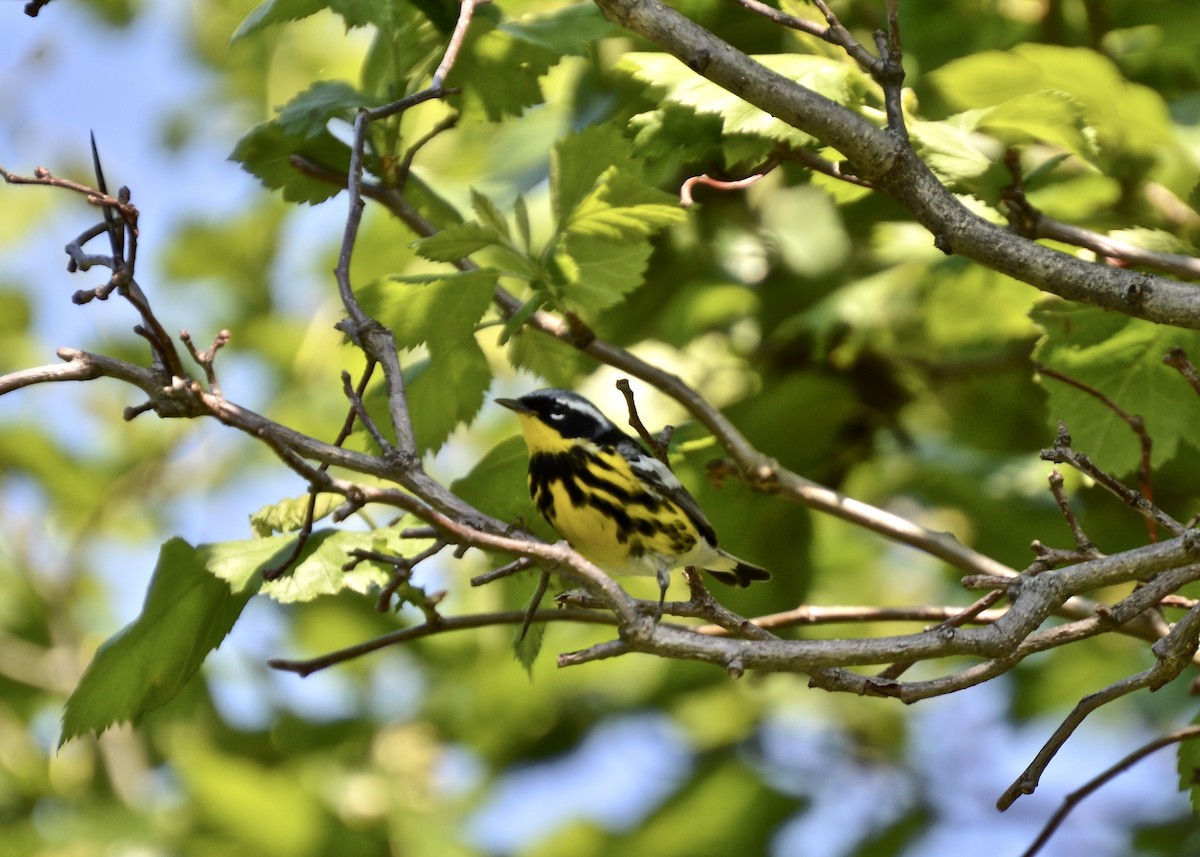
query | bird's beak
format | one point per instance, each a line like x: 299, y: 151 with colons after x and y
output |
x: 514, y: 405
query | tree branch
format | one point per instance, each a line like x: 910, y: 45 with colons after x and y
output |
x: 890, y: 164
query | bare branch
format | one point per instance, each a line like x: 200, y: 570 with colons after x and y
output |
x: 1173, y: 651
x: 1062, y: 453
x: 445, y: 624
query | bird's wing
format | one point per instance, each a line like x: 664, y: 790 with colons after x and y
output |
x: 656, y: 474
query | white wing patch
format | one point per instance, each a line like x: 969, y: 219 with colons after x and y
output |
x: 656, y: 473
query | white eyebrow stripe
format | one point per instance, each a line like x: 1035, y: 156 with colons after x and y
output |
x: 582, y: 406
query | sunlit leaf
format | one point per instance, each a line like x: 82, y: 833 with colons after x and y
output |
x: 439, y: 310
x: 1122, y: 358
x: 290, y: 514
x: 187, y: 613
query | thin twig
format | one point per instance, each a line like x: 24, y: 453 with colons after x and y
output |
x: 1177, y: 359
x: 755, y: 175
x: 446, y: 624
x: 1076, y: 797
x: 1062, y: 453
x: 659, y: 445
x: 543, y: 582
x: 1173, y: 651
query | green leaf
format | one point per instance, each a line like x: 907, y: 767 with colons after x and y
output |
x: 521, y: 213
x: 458, y: 242
x: 186, y: 614
x: 622, y: 207
x: 1126, y: 116
x: 561, y: 365
x: 951, y: 148
x: 363, y: 13
x: 566, y: 31
x: 356, y: 13
x: 498, y: 73
x: 289, y: 514
x: 602, y: 271
x: 678, y: 84
x: 309, y: 112
x: 445, y: 390
x: 522, y: 315
x: 439, y: 310
x: 579, y: 160
x: 1047, y: 116
x: 490, y: 214
x: 605, y: 212
x: 322, y: 567
x: 264, y: 152
x: 1123, y: 359
x: 276, y: 12
x: 499, y: 485
x: 527, y: 648
x: 1188, y: 765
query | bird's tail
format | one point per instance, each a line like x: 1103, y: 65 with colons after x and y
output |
x: 736, y: 572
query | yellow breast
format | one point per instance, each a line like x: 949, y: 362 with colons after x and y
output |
x: 595, y: 501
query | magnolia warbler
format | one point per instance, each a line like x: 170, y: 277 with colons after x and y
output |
x: 612, y: 500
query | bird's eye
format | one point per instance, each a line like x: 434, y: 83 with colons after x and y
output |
x: 557, y: 412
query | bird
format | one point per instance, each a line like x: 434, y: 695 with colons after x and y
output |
x: 614, y: 502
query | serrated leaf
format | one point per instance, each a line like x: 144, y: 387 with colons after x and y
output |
x: 186, y: 614
x: 490, y: 214
x: 1187, y: 761
x: 522, y: 315
x: 439, y: 310
x: 276, y: 12
x: 356, y: 13
x: 566, y: 31
x: 321, y: 569
x: 1123, y: 359
x: 678, y: 84
x: 446, y: 390
x: 1050, y: 117
x: 363, y: 13
x: 621, y: 207
x: 499, y: 73
x: 521, y: 214
x: 289, y: 514
x: 579, y: 160
x: 602, y: 271
x: 952, y: 148
x: 527, y: 648
x: 1125, y: 115
x: 458, y: 242
x: 264, y: 152
x: 309, y: 112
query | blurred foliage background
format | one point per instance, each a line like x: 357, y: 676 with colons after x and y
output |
x: 828, y: 326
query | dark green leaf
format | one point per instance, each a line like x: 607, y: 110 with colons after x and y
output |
x: 265, y: 150
x: 458, y: 242
x: 499, y: 73
x: 560, y: 364
x: 276, y: 12
x: 307, y: 114
x: 566, y: 31
x: 1123, y: 359
x: 186, y: 614
x: 446, y: 390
